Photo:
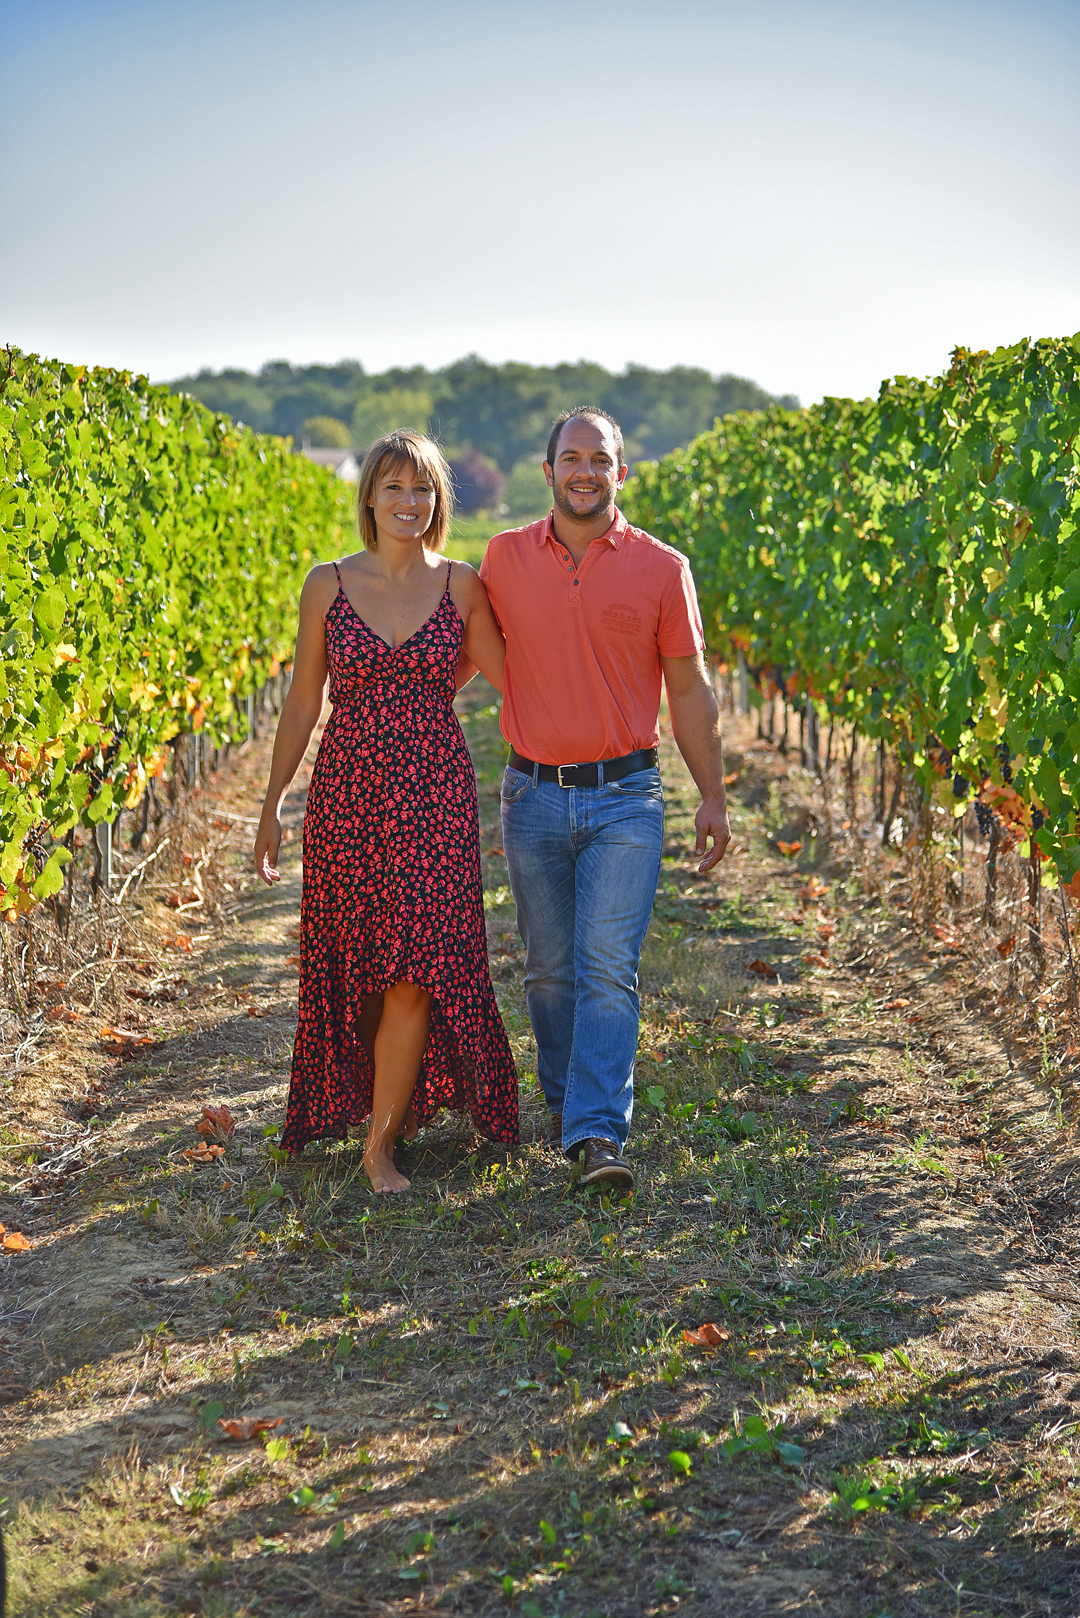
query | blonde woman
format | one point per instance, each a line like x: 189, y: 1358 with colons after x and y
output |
x: 397, y: 1013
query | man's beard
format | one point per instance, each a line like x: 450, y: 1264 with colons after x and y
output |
x: 574, y: 515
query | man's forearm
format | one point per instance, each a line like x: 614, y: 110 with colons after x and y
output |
x: 695, y: 724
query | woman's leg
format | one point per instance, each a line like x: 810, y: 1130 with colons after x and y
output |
x: 367, y: 1026
x: 397, y: 1049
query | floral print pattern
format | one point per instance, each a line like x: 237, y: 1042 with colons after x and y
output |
x: 392, y: 886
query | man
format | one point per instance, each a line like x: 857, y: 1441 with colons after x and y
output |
x: 594, y: 612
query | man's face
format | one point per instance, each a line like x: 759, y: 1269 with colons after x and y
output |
x: 586, y: 475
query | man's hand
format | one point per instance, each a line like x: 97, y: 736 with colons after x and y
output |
x: 711, y: 821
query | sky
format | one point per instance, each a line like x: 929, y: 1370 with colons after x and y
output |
x: 815, y: 194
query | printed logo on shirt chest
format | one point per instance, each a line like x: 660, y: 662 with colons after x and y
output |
x: 621, y: 618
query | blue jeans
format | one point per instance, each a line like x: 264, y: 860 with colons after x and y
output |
x: 583, y: 867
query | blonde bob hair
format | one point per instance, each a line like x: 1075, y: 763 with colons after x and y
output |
x: 390, y: 453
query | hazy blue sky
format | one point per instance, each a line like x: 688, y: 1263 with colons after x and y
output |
x: 813, y: 194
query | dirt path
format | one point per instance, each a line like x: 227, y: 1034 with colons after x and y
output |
x: 483, y: 1391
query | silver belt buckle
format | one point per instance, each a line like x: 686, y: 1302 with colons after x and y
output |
x: 566, y: 785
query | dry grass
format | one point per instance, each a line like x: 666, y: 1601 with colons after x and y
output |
x: 488, y: 1404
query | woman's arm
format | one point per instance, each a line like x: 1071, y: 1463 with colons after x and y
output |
x: 466, y: 671
x: 299, y: 715
x: 483, y: 646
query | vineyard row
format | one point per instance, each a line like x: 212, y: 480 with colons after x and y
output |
x: 151, y: 557
x: 911, y: 564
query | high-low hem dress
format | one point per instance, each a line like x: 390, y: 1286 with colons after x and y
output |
x: 392, y: 886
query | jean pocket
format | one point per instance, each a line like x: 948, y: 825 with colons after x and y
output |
x: 515, y: 783
x: 642, y: 784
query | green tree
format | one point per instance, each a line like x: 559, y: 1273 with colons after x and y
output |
x: 526, y: 494
x: 505, y: 411
x: 326, y: 432
x: 383, y: 410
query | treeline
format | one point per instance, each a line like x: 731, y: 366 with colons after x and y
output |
x: 502, y: 411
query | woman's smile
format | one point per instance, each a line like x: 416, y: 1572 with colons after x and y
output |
x: 402, y: 499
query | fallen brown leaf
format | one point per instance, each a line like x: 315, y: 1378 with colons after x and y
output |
x: 816, y: 960
x: 203, y: 1154
x: 13, y: 1241
x: 181, y: 941
x: 217, y: 1122
x: 62, y: 1014
x: 187, y: 896
x: 123, y: 1042
x: 763, y: 969
x: 789, y: 850
x: 245, y: 1427
x: 292, y: 960
x: 813, y: 889
x: 1005, y: 948
x: 710, y: 1335
x: 896, y: 1005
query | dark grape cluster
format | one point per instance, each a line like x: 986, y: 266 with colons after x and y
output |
x: 960, y: 786
x: 1038, y: 819
x: 1003, y: 757
x: 984, y: 816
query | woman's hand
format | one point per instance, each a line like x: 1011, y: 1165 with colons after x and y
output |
x: 299, y: 714
x: 267, y: 844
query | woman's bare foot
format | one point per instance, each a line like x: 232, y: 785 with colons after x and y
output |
x: 381, y: 1171
x: 408, y: 1129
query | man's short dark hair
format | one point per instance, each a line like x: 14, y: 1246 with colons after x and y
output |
x: 586, y: 413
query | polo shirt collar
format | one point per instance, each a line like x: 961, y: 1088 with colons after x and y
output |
x: 613, y: 537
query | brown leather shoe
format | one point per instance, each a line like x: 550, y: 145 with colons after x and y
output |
x: 601, y: 1166
x: 555, y: 1128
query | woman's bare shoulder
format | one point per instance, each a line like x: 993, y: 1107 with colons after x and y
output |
x: 466, y: 585
x: 320, y: 586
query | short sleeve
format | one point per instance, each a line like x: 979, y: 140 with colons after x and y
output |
x: 680, y: 633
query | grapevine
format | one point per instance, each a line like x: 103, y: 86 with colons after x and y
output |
x: 915, y: 559
x: 151, y: 555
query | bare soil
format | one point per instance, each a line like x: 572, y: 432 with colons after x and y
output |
x: 857, y: 1156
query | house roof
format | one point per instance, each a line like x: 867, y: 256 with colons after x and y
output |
x: 341, y: 461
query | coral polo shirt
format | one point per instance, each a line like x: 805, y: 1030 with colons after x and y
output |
x: 583, y: 644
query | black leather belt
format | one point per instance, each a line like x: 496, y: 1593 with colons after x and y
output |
x: 586, y: 775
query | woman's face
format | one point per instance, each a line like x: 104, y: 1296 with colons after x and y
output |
x: 403, y: 504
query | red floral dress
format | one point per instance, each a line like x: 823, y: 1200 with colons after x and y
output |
x: 392, y: 886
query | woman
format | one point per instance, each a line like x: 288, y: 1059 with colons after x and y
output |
x: 397, y: 1013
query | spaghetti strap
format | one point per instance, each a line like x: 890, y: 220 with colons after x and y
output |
x: 449, y: 565
x: 337, y: 570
